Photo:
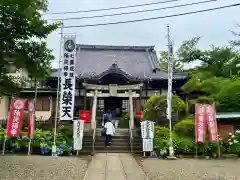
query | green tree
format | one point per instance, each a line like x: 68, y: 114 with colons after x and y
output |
x: 177, y: 65
x: 22, y: 45
x: 156, y: 107
x: 228, y: 99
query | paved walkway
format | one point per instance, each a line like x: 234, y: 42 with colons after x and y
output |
x: 114, y: 166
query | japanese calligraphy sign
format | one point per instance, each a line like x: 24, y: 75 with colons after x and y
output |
x: 200, y: 129
x: 68, y: 78
x: 211, y: 122
x: 31, y: 113
x: 78, y: 126
x: 15, y: 117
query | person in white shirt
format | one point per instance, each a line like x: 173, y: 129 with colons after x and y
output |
x: 110, y: 131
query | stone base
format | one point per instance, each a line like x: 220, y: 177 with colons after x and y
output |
x: 171, y: 158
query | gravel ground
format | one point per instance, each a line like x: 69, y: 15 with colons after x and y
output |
x: 191, y: 169
x: 42, y: 168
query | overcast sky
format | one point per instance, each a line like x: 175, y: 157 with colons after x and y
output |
x: 214, y: 27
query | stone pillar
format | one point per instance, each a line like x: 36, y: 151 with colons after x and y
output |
x: 141, y: 99
x: 85, y: 99
x: 94, y: 109
x: 131, y: 113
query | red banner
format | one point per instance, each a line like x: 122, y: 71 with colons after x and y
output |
x: 200, y: 127
x: 211, y: 122
x: 139, y: 114
x: 31, y: 118
x: 85, y: 115
x: 15, y: 117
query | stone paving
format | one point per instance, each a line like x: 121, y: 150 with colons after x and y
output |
x: 114, y: 166
x: 191, y: 169
x: 42, y: 167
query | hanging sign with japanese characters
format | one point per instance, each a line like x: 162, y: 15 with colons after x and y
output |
x: 212, y: 122
x: 68, y: 78
x: 15, y: 117
x: 147, y: 129
x: 78, y: 126
x: 200, y: 129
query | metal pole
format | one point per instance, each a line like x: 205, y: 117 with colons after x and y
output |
x: 57, y: 99
x: 169, y: 95
x: 5, y: 138
x: 34, y: 102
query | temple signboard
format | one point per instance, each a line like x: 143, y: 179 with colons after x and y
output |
x: 68, y: 79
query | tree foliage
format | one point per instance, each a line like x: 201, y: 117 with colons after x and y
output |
x: 177, y: 65
x: 22, y: 45
x: 156, y: 107
x: 217, y: 74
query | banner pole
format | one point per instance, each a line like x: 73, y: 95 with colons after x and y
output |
x: 57, y: 98
x: 29, y: 145
x: 4, y: 144
x: 77, y: 152
x: 34, y: 102
x: 5, y: 138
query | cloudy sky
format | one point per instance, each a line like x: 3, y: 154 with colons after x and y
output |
x: 214, y: 27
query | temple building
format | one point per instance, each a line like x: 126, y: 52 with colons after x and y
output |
x: 114, y: 71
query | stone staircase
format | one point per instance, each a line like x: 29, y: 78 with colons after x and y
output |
x: 120, y: 142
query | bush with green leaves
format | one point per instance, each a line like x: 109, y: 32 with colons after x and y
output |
x: 234, y: 143
x: 156, y: 106
x: 185, y: 127
x: 41, y: 144
x: 124, y: 122
x: 161, y: 138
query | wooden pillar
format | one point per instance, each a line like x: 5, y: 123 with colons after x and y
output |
x: 94, y: 109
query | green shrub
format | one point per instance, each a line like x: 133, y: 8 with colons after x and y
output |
x: 124, y: 122
x: 41, y: 144
x: 185, y: 127
x: 156, y: 106
x: 161, y: 138
x: 183, y: 144
x: 234, y: 143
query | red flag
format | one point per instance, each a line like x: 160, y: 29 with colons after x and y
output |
x: 139, y: 114
x: 200, y: 127
x: 16, y: 116
x: 85, y: 115
x: 31, y: 112
x: 211, y: 122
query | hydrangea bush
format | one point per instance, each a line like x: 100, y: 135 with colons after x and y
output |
x: 234, y: 143
x: 41, y: 144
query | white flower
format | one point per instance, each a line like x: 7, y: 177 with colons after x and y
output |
x: 235, y: 141
x: 229, y: 139
x: 233, y: 136
x: 220, y: 139
x: 230, y: 134
x: 230, y: 143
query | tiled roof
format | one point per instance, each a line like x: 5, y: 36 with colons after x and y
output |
x: 138, y: 62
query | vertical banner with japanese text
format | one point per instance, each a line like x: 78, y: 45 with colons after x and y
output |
x: 211, y: 122
x: 200, y: 126
x: 68, y: 78
x: 15, y: 117
x: 78, y: 126
x: 31, y: 118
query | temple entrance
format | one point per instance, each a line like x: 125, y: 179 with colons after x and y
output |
x: 114, y: 104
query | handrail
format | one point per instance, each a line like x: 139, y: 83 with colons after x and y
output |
x: 131, y: 136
